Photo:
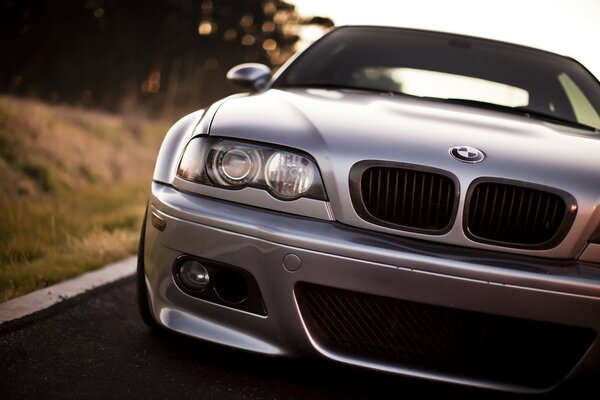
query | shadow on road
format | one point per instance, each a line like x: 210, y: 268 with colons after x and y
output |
x: 96, y: 346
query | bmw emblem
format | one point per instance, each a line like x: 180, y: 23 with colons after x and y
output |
x: 467, y: 154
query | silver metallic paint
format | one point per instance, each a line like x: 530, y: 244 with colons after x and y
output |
x: 336, y: 255
x: 259, y: 198
x: 250, y: 75
x: 339, y: 128
x: 591, y: 253
x: 381, y: 127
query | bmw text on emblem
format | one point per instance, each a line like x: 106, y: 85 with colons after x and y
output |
x: 467, y: 154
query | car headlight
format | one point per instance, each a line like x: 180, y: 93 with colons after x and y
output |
x: 287, y: 175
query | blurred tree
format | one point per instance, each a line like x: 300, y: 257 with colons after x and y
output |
x: 120, y: 55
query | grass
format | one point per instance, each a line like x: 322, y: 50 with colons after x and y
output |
x: 73, y: 191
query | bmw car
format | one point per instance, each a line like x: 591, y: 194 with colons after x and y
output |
x: 421, y: 203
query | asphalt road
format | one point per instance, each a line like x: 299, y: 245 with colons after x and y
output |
x: 96, y: 346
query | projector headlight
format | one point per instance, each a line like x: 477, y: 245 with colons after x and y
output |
x: 287, y: 175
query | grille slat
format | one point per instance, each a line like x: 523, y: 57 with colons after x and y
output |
x: 441, y: 339
x: 408, y: 199
x: 546, y: 210
x: 411, y: 216
x: 370, y: 186
x: 519, y: 211
x: 439, y: 200
x: 533, y: 217
x: 527, y: 212
x: 395, y: 207
x: 378, y: 192
x: 422, y: 202
x: 431, y: 187
x: 387, y: 193
x: 498, y: 222
x: 510, y: 210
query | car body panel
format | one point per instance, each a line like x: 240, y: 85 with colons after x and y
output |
x: 345, y: 257
x: 421, y: 132
x: 172, y: 146
x: 248, y: 229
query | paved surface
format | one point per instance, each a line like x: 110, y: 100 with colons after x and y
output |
x: 47, y: 297
x: 95, y: 346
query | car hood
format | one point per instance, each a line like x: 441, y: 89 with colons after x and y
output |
x: 347, y: 126
x: 341, y: 127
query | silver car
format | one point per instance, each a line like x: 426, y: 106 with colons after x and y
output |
x: 414, y: 202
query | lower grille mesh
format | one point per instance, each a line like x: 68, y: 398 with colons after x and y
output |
x: 440, y: 339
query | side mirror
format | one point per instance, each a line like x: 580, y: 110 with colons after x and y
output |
x: 250, y: 75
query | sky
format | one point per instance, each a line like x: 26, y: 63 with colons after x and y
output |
x: 567, y: 27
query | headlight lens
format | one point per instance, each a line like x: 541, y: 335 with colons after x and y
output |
x: 235, y: 165
x: 289, y: 174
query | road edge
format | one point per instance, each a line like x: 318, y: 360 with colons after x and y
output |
x: 49, y: 296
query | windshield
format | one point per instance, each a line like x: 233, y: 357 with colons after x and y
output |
x: 449, y: 67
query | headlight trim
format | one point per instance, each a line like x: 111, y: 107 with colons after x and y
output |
x: 203, y: 157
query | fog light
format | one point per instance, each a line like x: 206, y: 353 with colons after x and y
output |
x: 193, y: 276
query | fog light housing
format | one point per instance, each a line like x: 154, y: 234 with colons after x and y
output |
x: 218, y: 283
x: 193, y: 276
x: 595, y: 238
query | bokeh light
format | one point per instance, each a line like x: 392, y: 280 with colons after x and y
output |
x: 206, y: 28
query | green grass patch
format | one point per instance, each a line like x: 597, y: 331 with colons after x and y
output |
x: 73, y: 193
x: 8, y: 149
x: 87, y: 174
x: 40, y: 174
x: 52, y: 238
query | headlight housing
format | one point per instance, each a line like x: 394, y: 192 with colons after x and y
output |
x: 285, y: 174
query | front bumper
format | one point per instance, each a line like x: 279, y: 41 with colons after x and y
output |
x: 334, y: 255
